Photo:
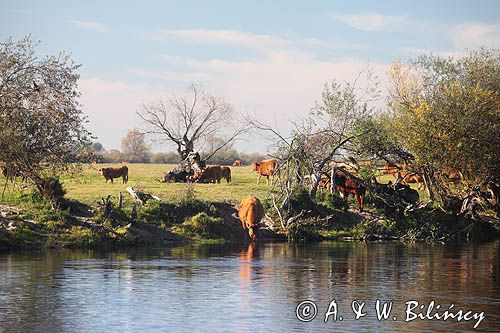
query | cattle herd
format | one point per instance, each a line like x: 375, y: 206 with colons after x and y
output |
x: 251, y: 211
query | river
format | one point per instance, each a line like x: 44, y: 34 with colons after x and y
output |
x: 249, y: 288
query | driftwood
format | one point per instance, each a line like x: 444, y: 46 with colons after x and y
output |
x: 187, y: 167
x: 106, y: 205
x: 141, y: 197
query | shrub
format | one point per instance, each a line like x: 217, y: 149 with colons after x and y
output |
x: 203, y: 226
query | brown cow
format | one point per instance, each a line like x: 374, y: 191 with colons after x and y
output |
x: 226, y: 173
x: 265, y: 168
x: 348, y: 186
x: 237, y: 163
x: 111, y: 173
x: 397, y: 170
x: 211, y: 174
x: 391, y: 169
x: 250, y: 214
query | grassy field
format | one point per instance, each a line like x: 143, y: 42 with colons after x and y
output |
x: 36, y: 224
x: 90, y: 186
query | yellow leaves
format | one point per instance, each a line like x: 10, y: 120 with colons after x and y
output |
x: 406, y: 82
x: 422, y: 109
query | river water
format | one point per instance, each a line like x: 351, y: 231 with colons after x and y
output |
x: 249, y: 288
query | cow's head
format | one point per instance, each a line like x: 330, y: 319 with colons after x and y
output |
x: 101, y: 171
x: 255, y: 166
x: 252, y: 232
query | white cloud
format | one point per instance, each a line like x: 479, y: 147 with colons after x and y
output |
x: 280, y: 87
x: 233, y: 38
x: 168, y: 75
x: 244, y: 40
x: 474, y: 34
x: 90, y: 25
x: 371, y: 21
x: 111, y: 107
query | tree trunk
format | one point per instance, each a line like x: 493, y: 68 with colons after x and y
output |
x: 314, y: 184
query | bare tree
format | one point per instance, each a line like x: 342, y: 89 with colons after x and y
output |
x: 135, y: 148
x: 187, y: 121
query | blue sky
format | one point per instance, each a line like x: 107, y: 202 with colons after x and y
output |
x: 267, y: 58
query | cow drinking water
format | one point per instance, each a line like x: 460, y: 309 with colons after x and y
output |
x: 250, y: 214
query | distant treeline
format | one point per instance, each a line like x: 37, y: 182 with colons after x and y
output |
x: 226, y: 157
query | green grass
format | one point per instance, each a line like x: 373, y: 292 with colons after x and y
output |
x: 90, y: 186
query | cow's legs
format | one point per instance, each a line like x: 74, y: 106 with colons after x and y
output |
x: 112, y: 181
x: 345, y: 197
x: 258, y: 180
x: 267, y: 180
x: 359, y: 200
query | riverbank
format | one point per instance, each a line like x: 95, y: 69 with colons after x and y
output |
x: 161, y: 223
x: 204, y: 213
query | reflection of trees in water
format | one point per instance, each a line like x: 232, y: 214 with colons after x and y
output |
x: 30, y: 289
x: 42, y: 291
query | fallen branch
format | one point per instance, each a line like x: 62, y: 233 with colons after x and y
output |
x: 141, y: 197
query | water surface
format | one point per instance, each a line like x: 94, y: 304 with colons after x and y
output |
x: 246, y: 288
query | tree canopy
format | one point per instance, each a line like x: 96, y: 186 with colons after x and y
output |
x: 41, y: 122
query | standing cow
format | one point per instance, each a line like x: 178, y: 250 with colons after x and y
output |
x: 347, y: 186
x: 265, y: 168
x: 250, y: 214
x: 111, y: 173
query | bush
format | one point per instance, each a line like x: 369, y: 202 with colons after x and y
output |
x: 164, y: 213
x: 203, y: 226
x: 329, y: 200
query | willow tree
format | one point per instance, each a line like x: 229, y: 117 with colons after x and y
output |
x: 446, y: 112
x: 41, y: 122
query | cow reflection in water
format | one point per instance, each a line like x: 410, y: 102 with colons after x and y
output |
x: 248, y: 271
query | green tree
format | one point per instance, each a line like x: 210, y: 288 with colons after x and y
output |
x: 446, y: 113
x: 41, y: 122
